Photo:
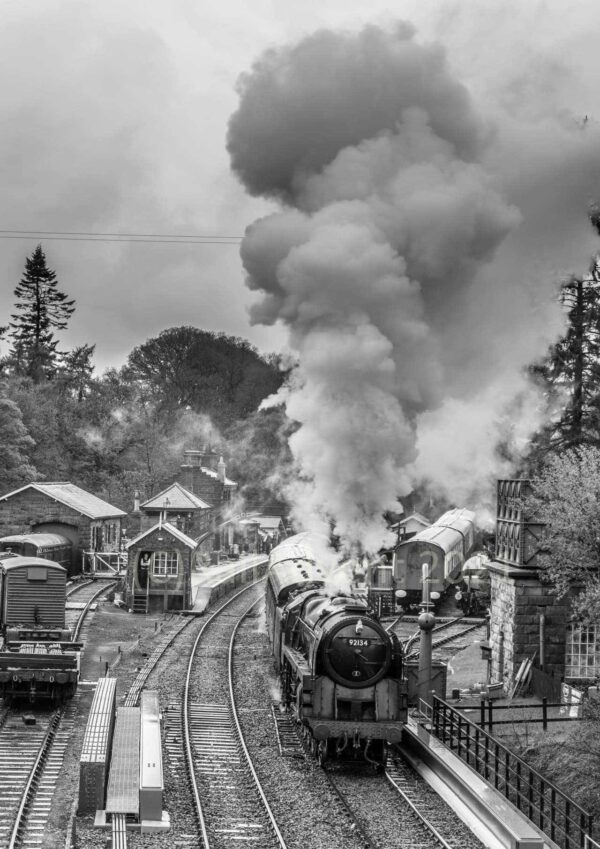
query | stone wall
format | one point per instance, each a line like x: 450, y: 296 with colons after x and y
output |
x: 25, y: 511
x: 518, y: 599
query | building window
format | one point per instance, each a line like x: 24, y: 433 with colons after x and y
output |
x: 166, y: 564
x: 583, y: 652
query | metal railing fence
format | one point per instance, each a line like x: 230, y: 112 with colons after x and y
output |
x: 556, y: 814
x: 533, y: 713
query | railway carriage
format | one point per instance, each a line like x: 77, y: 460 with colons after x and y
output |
x: 341, y: 671
x: 444, y: 547
x: 53, y: 547
x: 38, y: 659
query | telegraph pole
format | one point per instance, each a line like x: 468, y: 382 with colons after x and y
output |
x: 426, y: 622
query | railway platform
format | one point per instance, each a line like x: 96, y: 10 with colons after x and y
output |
x: 492, y: 818
x: 211, y: 582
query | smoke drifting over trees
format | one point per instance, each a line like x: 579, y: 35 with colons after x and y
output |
x: 395, y: 262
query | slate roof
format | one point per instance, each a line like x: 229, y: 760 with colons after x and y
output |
x: 75, y: 497
x: 169, y: 529
x: 179, y: 499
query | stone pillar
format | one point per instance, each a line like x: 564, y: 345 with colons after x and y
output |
x: 518, y: 599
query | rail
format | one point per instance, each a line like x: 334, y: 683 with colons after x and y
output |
x: 556, y: 814
x: 393, y: 775
x: 413, y: 653
x: 77, y: 631
x: 186, y: 723
x: 417, y: 634
x: 32, y: 781
x: 236, y: 719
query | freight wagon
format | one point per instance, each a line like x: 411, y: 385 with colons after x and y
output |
x: 38, y: 658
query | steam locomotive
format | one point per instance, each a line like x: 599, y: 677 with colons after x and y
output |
x: 444, y: 547
x: 38, y: 658
x: 341, y: 672
x: 473, y: 590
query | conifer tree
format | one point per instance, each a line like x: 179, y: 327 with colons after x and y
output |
x: 40, y: 310
x: 572, y: 368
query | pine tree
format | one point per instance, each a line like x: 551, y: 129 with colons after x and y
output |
x: 572, y: 369
x: 40, y: 310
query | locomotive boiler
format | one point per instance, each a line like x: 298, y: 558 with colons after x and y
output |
x: 38, y: 659
x: 341, y: 672
x: 443, y: 547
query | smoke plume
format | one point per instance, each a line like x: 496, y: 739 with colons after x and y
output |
x: 394, y: 262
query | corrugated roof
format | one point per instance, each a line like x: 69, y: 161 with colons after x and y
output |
x: 168, y: 528
x: 179, y: 499
x: 75, y: 497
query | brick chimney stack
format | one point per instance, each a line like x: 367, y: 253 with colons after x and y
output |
x: 221, y: 470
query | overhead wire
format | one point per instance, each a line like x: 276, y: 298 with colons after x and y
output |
x: 157, y: 238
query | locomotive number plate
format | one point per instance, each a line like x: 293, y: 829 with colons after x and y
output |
x: 355, y: 641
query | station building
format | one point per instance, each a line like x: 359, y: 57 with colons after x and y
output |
x: 177, y: 531
x: 528, y: 623
x: 93, y: 526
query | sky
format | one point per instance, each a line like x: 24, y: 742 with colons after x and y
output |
x: 115, y: 118
x: 397, y: 191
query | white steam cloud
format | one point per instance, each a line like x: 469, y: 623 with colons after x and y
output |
x: 396, y: 263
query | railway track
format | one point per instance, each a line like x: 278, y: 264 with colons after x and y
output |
x: 24, y: 748
x: 77, y: 586
x: 81, y: 597
x: 33, y: 742
x: 441, y: 825
x: 469, y: 625
x: 415, y: 816
x: 229, y: 800
x: 164, y: 643
x: 367, y: 809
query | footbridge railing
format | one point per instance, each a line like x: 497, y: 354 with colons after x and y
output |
x: 556, y: 814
